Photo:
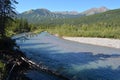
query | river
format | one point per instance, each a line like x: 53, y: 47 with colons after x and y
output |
x: 74, y: 60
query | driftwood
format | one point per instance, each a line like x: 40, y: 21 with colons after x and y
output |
x: 17, y: 59
x: 43, y: 68
x: 11, y: 71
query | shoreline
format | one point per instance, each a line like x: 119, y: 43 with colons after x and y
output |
x: 113, y: 43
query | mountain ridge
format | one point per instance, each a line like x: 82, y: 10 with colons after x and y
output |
x: 95, y: 10
x: 98, y: 10
x: 39, y: 15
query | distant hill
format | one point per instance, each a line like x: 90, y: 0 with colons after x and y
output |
x: 95, y: 11
x: 109, y: 17
x: 41, y: 15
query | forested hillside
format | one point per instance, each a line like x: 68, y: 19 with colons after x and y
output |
x: 41, y: 15
x: 99, y: 25
x: 104, y: 24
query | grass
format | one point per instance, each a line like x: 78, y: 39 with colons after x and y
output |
x: 2, y: 71
x: 1, y: 65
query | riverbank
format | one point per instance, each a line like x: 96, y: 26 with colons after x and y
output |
x: 114, y: 43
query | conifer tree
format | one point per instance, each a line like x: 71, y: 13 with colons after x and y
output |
x: 7, y: 12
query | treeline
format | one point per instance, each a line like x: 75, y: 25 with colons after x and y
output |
x: 105, y: 25
x: 18, y: 26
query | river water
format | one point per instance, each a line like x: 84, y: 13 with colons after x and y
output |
x: 76, y: 61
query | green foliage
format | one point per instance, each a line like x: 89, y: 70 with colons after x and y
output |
x: 1, y: 65
x: 19, y: 26
x: 86, y: 31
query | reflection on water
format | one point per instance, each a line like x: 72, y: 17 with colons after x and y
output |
x: 75, y: 60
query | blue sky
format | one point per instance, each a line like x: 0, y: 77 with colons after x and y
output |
x: 66, y: 5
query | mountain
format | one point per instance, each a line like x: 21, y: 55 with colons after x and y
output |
x: 41, y: 15
x: 95, y: 11
x: 108, y: 17
x: 42, y: 12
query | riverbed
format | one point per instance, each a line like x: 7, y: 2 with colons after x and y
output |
x: 113, y: 43
x: 77, y: 61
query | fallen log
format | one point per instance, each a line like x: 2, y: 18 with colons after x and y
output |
x: 43, y: 68
x: 40, y: 67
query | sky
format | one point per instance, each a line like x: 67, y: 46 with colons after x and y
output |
x: 65, y: 5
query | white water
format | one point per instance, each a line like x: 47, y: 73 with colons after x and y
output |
x: 75, y: 60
